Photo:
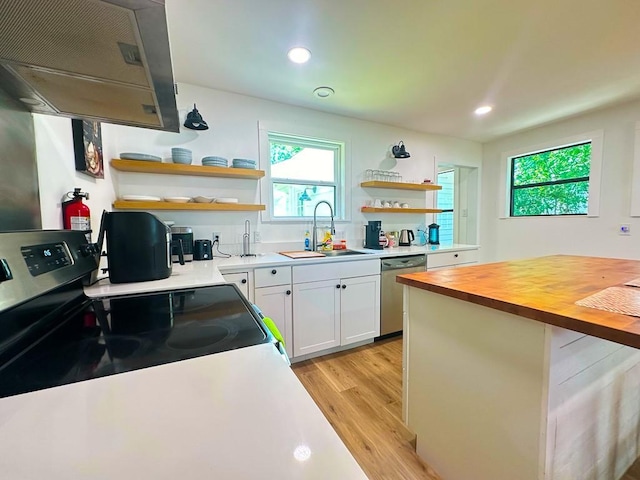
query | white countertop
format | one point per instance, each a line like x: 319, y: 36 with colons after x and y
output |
x: 192, y: 274
x: 274, y: 259
x: 241, y: 414
x: 209, y: 272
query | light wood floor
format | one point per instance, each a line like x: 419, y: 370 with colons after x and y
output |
x: 360, y: 392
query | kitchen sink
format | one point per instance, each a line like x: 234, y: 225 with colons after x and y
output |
x: 340, y: 253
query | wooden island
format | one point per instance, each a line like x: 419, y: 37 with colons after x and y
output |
x: 505, y: 377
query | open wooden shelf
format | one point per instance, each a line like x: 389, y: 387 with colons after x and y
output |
x: 218, y: 207
x: 399, y: 210
x: 139, y: 166
x: 401, y: 186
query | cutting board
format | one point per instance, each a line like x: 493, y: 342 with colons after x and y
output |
x: 302, y: 254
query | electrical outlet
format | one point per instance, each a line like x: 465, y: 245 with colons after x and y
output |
x: 257, y: 237
x: 625, y: 229
x: 216, y: 237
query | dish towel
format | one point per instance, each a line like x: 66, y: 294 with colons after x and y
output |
x: 270, y: 324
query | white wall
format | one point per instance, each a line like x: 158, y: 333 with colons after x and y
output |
x: 510, y: 238
x: 233, y: 121
x: 57, y: 174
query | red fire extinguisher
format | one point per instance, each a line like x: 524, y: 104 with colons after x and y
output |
x: 75, y: 214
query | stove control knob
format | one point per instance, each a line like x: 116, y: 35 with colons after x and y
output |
x: 88, y: 249
x: 5, y: 271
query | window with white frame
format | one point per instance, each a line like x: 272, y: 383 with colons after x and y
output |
x: 304, y: 171
x: 551, y: 182
x: 556, y: 178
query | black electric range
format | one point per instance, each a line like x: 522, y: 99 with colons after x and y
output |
x: 57, y: 335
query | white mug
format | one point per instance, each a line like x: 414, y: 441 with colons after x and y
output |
x: 396, y: 204
x: 386, y: 204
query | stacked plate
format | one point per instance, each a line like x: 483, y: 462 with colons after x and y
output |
x: 140, y: 198
x: 177, y: 199
x: 181, y: 155
x: 139, y: 156
x: 215, y: 162
x: 243, y: 163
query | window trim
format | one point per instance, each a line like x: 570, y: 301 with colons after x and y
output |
x: 635, y: 182
x: 342, y: 211
x: 512, y: 187
x: 595, y: 172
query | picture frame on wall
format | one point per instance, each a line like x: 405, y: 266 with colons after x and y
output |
x: 87, y: 147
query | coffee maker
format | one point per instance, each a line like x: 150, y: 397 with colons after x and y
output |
x: 372, y: 235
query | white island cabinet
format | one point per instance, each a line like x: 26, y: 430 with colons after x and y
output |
x: 335, y: 305
x: 504, y: 377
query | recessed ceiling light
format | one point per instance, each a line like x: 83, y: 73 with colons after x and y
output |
x: 299, y: 55
x: 323, y: 92
x: 483, y: 110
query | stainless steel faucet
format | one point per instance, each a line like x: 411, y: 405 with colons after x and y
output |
x: 314, y: 237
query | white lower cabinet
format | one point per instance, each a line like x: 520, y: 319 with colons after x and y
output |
x: 335, y: 305
x: 272, y: 295
x: 275, y: 303
x: 359, y: 309
x: 316, y: 323
x: 241, y: 280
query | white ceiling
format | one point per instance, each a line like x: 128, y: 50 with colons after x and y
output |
x: 418, y: 64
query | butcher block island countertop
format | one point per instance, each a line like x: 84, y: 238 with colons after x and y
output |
x: 543, y: 289
x: 505, y: 377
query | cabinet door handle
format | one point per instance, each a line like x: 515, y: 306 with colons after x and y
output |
x: 274, y: 271
x: 455, y: 255
x: 244, y: 280
x: 288, y: 292
x: 344, y: 286
x: 337, y: 286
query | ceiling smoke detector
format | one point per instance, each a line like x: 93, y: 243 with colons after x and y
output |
x: 323, y: 92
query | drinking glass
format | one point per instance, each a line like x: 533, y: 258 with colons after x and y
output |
x: 368, y: 175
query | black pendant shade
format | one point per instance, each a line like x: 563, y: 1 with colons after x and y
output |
x: 399, y: 151
x: 195, y: 121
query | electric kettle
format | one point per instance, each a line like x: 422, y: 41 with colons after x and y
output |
x: 406, y: 237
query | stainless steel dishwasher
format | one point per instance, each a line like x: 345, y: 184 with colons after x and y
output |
x: 391, y: 294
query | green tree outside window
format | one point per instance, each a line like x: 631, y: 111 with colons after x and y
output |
x: 553, y: 182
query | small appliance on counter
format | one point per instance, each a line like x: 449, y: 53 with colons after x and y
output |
x: 202, y: 250
x: 406, y: 237
x: 434, y: 234
x: 184, y: 235
x: 138, y: 246
x: 372, y: 233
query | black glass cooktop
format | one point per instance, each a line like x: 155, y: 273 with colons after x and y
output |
x: 65, y: 338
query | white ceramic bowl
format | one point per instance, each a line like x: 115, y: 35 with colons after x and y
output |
x: 201, y: 199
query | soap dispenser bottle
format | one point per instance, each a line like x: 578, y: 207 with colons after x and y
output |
x: 307, y: 241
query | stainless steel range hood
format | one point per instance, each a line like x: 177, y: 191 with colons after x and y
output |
x: 107, y: 60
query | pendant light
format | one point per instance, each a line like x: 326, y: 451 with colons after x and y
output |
x: 195, y: 121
